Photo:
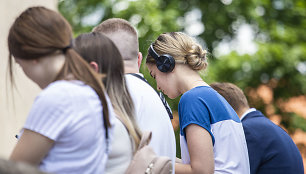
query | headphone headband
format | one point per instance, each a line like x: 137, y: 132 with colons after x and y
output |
x: 153, y: 53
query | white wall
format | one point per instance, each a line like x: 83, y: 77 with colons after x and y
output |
x: 12, y: 116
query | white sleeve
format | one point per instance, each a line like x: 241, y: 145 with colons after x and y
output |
x: 49, y: 115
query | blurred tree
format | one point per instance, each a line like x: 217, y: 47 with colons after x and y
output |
x: 280, y: 59
x: 277, y: 59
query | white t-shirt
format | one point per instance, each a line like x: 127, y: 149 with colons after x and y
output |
x: 121, y: 154
x: 152, y: 116
x: 70, y: 114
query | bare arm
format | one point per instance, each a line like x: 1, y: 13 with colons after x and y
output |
x: 200, y: 150
x: 31, y: 148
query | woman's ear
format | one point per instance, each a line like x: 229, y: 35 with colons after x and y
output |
x: 94, y: 65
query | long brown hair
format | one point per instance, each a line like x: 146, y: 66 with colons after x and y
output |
x: 40, y: 32
x: 96, y: 47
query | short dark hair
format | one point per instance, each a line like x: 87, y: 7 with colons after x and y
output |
x: 232, y: 94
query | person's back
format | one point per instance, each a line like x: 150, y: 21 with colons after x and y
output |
x: 152, y: 116
x: 77, y: 115
x: 271, y: 150
x: 121, y: 152
x: 150, y: 112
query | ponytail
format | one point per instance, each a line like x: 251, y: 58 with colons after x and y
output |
x: 80, y: 70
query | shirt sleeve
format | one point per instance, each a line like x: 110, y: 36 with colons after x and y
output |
x: 193, y: 110
x: 48, y: 115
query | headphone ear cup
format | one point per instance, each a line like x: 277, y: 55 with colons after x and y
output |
x: 160, y: 65
x: 166, y: 63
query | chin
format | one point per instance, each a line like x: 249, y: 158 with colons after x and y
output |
x: 173, y: 96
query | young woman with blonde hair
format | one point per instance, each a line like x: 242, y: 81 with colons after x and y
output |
x: 69, y: 125
x: 212, y: 137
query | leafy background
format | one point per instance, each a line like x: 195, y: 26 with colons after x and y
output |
x: 259, y: 45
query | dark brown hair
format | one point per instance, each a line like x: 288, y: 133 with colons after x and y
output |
x: 96, y: 47
x: 123, y: 34
x: 232, y: 94
x: 39, y: 32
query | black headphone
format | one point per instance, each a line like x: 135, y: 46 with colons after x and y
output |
x: 165, y: 62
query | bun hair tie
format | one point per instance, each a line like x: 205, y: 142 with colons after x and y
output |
x: 67, y: 47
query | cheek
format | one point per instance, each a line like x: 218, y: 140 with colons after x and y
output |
x: 158, y: 82
x: 32, y: 73
x: 162, y: 83
x: 26, y: 71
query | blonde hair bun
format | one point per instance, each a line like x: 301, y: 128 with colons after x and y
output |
x: 183, y: 48
x: 196, y: 58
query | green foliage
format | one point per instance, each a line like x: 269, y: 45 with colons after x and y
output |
x: 178, y: 147
x: 298, y: 122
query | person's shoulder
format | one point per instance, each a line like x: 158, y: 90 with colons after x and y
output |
x: 53, y: 96
x: 257, y: 119
x: 254, y: 120
x: 199, y: 92
x: 53, y: 90
x: 260, y: 125
x: 66, y: 87
x: 139, y: 86
x: 134, y: 79
x: 60, y: 90
x: 58, y: 86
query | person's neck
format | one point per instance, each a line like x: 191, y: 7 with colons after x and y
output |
x: 130, y: 67
x: 242, y: 111
x: 188, y: 79
x: 128, y: 70
x: 51, y: 65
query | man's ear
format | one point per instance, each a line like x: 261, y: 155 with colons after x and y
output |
x: 139, y: 59
x: 94, y: 65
